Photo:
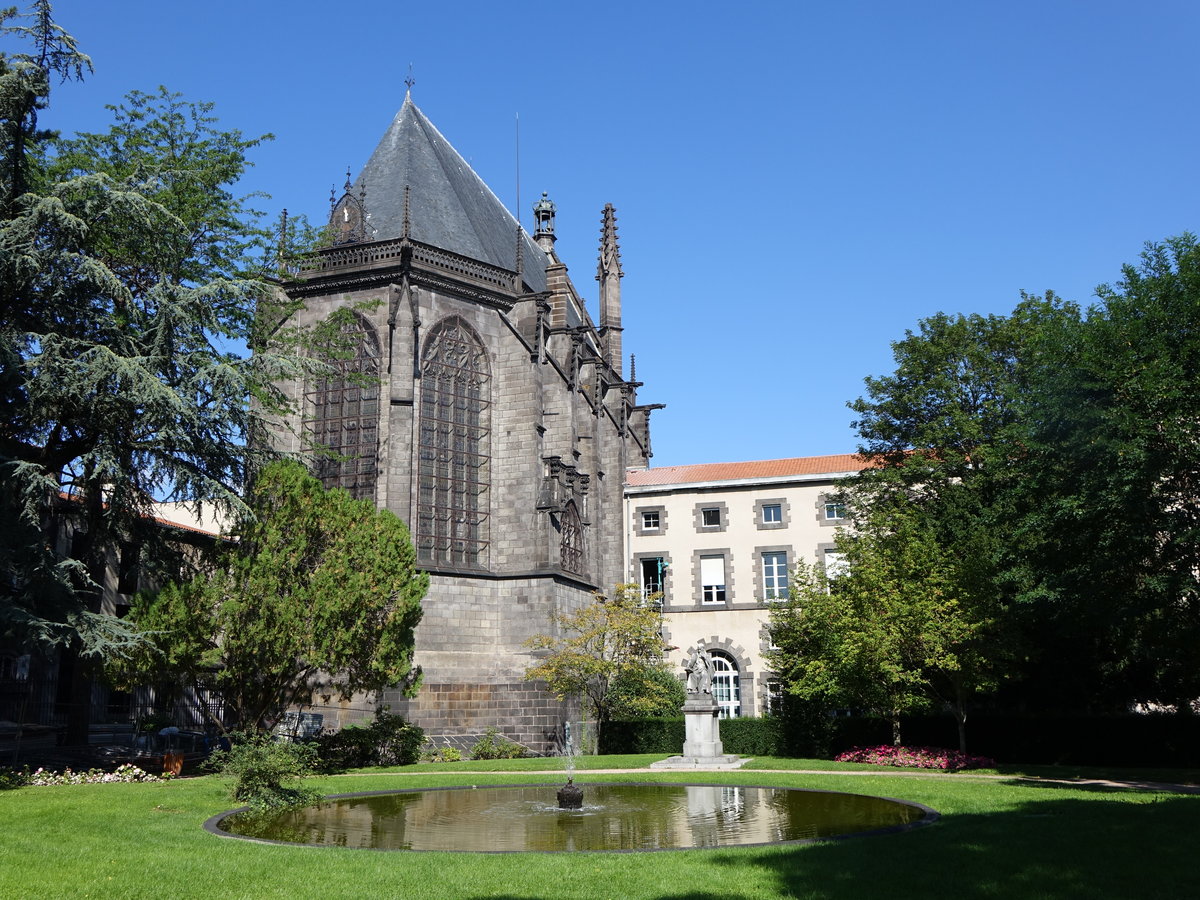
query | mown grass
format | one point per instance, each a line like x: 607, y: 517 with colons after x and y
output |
x: 998, y: 837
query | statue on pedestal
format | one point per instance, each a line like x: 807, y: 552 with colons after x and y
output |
x: 699, y: 669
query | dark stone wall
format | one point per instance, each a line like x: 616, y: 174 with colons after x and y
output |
x: 523, y: 711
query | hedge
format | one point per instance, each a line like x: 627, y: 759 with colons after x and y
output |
x: 1128, y: 740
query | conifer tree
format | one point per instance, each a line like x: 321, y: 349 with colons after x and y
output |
x: 132, y: 277
x: 317, y: 591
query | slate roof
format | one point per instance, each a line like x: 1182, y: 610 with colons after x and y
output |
x: 449, y: 205
x: 832, y: 466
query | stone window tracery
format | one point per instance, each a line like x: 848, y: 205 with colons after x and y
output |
x: 453, y: 471
x: 571, y: 545
x: 345, y: 415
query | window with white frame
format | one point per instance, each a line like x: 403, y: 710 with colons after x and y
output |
x: 835, y: 565
x: 650, y: 520
x: 725, y: 685
x: 711, y: 517
x: 712, y: 579
x: 772, y: 513
x: 835, y: 509
x: 774, y: 575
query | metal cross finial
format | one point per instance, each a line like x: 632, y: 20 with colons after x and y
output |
x: 410, y: 81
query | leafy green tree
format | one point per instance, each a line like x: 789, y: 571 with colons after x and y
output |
x: 1110, y: 511
x: 316, y: 592
x: 894, y: 632
x: 131, y: 278
x: 949, y: 435
x: 612, y: 641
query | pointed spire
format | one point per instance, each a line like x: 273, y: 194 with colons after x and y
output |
x: 348, y: 216
x: 610, y: 252
x: 608, y: 273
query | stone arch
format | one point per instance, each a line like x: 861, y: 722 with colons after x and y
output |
x: 741, y: 690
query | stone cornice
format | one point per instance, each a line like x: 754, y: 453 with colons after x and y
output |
x: 380, y: 263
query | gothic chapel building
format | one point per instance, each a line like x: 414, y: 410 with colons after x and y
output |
x: 500, y: 430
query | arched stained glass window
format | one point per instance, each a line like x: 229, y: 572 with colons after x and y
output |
x: 453, y: 472
x: 345, y: 415
x: 571, y: 542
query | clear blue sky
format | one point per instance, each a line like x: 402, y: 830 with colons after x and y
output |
x: 796, y: 183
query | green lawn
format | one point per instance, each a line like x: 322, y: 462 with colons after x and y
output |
x: 998, y: 837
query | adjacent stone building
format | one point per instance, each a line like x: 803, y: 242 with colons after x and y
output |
x: 719, y: 541
x: 484, y: 407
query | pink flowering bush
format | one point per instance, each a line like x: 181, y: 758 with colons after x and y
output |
x: 123, y: 774
x: 916, y: 758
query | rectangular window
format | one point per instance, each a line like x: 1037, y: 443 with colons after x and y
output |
x: 772, y: 514
x: 774, y: 575
x: 653, y: 571
x: 835, y: 509
x: 835, y: 565
x: 650, y: 520
x: 711, y: 517
x: 712, y: 579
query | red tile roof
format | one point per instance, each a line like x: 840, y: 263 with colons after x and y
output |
x: 766, y: 468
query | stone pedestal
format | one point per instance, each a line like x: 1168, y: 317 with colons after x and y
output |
x: 702, y: 738
x: 702, y: 727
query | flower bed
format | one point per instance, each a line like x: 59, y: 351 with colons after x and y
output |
x: 916, y: 758
x: 126, y: 773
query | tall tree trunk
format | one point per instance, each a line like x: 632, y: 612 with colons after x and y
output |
x: 895, y: 727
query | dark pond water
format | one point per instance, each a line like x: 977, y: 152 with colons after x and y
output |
x: 614, y: 817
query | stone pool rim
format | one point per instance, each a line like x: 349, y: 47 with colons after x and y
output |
x: 928, y: 817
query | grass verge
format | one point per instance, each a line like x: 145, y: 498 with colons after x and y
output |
x: 999, y: 837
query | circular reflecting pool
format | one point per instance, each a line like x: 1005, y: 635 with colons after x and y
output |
x: 501, y: 819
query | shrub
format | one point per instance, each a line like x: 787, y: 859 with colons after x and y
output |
x: 916, y: 758
x: 266, y: 773
x: 646, y: 692
x: 494, y: 745
x: 443, y: 754
x: 387, y: 741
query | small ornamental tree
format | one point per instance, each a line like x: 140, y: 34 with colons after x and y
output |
x: 318, y: 586
x: 612, y: 641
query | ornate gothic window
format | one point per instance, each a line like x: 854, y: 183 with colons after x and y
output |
x: 571, y: 545
x: 453, y: 474
x: 345, y: 415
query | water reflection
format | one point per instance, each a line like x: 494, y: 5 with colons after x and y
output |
x: 614, y: 817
